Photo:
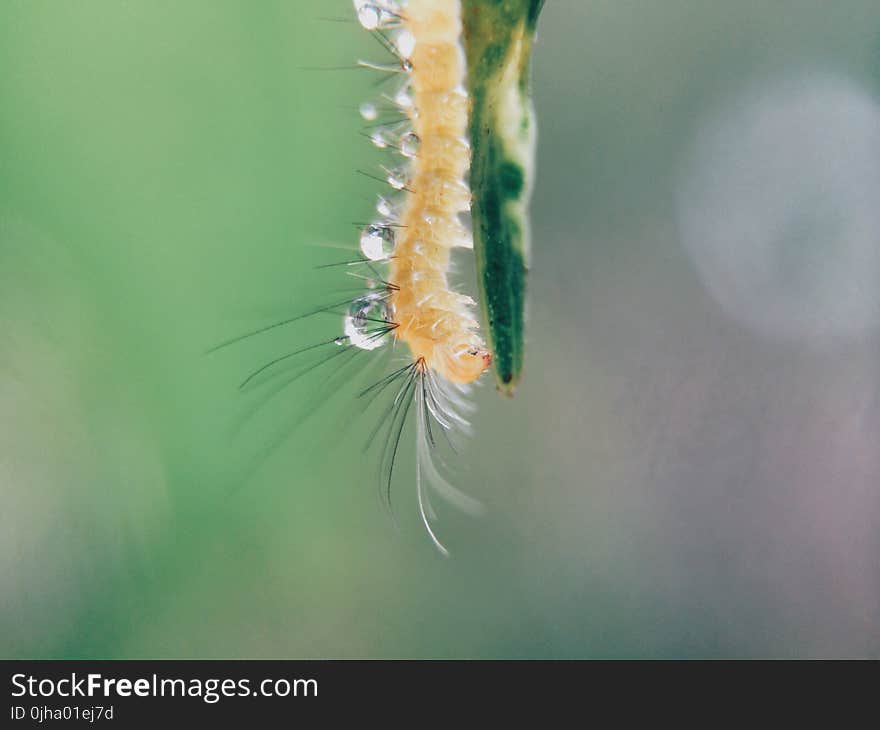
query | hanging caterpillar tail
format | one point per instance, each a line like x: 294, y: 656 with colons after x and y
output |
x: 498, y: 38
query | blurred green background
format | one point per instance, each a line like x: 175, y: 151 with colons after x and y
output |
x: 690, y: 468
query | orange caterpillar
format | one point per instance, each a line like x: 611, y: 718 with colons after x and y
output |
x: 435, y: 322
x: 415, y: 236
x: 406, y: 254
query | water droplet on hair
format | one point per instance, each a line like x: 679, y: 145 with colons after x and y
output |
x: 368, y: 111
x: 369, y: 16
x: 385, y: 207
x: 397, y: 179
x: 377, y: 242
x: 366, y: 324
x: 403, y: 99
x: 409, y: 145
x: 378, y: 140
x: 406, y: 43
x: 378, y: 14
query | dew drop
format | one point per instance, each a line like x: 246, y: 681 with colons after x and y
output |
x: 368, y: 111
x: 378, y: 140
x: 397, y: 179
x: 409, y: 144
x: 403, y: 99
x: 406, y: 43
x: 369, y: 16
x: 378, y: 14
x: 377, y: 242
x: 366, y: 323
x: 385, y: 207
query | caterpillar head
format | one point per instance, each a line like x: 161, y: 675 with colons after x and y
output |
x: 463, y: 363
